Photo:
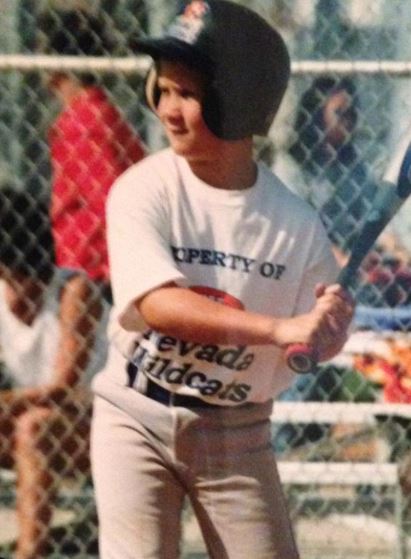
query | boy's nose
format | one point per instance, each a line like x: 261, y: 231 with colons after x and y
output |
x: 170, y: 107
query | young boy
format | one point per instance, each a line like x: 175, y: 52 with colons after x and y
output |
x: 216, y: 268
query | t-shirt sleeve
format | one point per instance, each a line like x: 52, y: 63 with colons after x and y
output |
x: 138, y: 237
x: 321, y: 267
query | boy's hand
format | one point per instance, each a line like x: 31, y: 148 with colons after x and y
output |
x: 334, y: 311
x: 324, y: 328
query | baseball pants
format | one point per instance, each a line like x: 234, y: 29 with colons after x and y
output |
x: 146, y: 463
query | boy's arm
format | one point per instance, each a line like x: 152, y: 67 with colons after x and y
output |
x: 187, y: 315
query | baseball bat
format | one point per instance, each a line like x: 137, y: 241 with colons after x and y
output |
x: 391, y: 196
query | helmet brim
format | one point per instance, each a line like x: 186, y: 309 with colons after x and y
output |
x: 170, y: 48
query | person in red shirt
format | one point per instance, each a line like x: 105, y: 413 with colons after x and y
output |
x: 90, y: 146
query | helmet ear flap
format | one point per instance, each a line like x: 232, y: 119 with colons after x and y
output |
x: 151, y: 89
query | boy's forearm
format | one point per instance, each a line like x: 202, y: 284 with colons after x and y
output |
x: 187, y: 315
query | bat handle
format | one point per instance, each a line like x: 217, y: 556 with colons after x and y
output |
x: 301, y: 358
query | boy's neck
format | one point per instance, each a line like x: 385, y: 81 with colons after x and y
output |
x: 233, y: 168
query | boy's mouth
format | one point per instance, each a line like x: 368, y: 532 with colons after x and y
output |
x: 177, y: 131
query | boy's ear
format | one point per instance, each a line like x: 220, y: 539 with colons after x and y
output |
x: 151, y: 89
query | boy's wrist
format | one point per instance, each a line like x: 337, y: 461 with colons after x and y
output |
x: 275, y: 326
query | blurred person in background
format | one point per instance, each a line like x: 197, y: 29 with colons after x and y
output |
x: 324, y: 162
x: 90, y: 145
x: 52, y: 341
x: 324, y: 166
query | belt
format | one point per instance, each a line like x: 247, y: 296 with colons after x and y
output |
x: 164, y: 396
x: 160, y: 394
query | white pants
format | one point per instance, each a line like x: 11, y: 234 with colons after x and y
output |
x: 143, y: 467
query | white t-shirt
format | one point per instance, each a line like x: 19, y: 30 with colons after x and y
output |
x: 261, y: 249
x: 28, y: 352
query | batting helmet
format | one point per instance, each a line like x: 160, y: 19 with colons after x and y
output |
x: 244, y: 59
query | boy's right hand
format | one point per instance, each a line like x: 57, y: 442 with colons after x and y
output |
x: 324, y: 328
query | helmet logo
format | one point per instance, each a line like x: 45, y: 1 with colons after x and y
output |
x: 190, y: 23
x: 196, y: 9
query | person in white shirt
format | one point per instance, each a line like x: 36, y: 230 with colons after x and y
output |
x: 52, y: 341
x: 216, y: 267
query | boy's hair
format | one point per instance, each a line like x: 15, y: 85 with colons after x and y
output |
x: 244, y: 60
x: 26, y: 242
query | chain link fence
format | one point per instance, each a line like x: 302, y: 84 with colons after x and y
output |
x: 342, y: 435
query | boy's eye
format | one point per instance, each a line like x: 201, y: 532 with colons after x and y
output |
x: 187, y: 93
x: 162, y: 90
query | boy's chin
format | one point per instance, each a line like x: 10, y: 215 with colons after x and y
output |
x: 182, y: 149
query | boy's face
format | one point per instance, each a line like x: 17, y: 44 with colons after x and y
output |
x: 179, y: 109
